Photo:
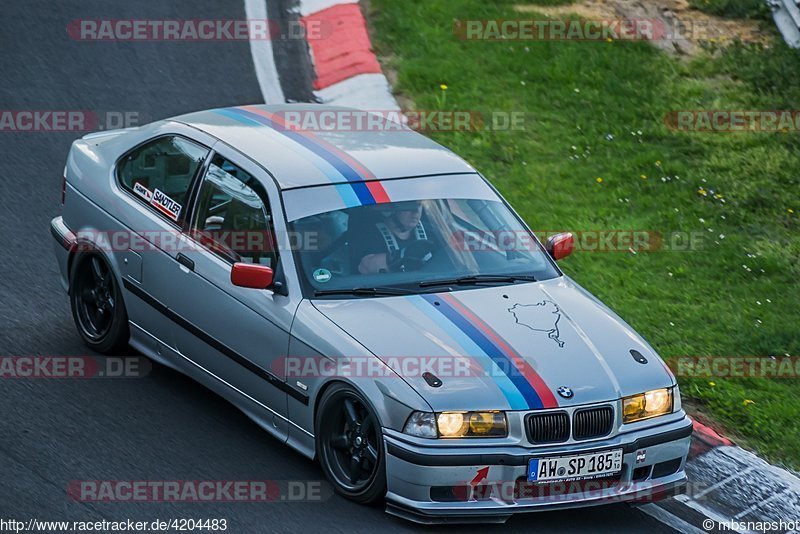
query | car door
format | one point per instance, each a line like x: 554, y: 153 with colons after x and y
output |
x: 154, y: 180
x: 240, y: 335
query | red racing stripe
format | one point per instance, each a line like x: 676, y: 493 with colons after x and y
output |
x: 545, y: 394
x: 378, y: 192
x: 356, y: 165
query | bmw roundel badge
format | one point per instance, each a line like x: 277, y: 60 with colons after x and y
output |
x: 565, y: 392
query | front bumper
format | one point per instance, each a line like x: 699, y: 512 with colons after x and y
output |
x: 451, y: 484
x: 65, y: 243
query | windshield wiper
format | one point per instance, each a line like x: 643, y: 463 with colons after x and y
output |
x: 478, y: 279
x: 363, y: 291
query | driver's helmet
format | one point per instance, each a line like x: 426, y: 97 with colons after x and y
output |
x: 405, y: 205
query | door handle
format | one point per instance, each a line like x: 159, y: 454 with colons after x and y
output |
x: 186, y: 262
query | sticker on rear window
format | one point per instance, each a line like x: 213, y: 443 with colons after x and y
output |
x: 322, y: 275
x: 166, y: 205
x: 142, y: 191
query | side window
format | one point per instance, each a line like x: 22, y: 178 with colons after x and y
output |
x: 233, y: 218
x: 161, y: 172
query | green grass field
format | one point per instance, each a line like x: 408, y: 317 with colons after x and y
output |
x: 596, y: 154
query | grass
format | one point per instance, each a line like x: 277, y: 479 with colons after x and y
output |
x: 596, y: 110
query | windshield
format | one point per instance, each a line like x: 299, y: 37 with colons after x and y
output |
x: 409, y: 246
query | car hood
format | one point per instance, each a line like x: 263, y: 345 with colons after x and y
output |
x: 504, y: 348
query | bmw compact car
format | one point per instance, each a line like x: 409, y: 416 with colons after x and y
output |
x: 368, y: 298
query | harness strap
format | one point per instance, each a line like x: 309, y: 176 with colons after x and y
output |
x: 388, y: 237
x: 391, y: 241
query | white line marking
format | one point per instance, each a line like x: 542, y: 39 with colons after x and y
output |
x: 668, y: 518
x: 364, y: 91
x: 263, y: 60
x: 723, y: 482
x: 762, y: 503
x: 308, y: 7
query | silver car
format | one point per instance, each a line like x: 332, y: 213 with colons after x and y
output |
x: 368, y: 298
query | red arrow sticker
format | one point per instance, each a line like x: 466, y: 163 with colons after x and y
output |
x: 483, y: 472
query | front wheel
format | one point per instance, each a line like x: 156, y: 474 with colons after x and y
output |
x: 350, y: 445
x: 97, y: 306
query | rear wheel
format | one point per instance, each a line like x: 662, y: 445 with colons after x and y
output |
x: 97, y: 306
x: 350, y: 445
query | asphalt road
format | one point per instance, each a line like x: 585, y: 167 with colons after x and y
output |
x: 162, y: 426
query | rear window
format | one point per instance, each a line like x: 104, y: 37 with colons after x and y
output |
x: 161, y: 172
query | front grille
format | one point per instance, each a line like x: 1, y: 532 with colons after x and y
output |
x: 592, y: 422
x: 552, y: 427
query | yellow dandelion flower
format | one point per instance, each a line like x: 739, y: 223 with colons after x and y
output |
x: 712, y: 384
x: 748, y: 402
x: 599, y: 180
x: 643, y: 177
x: 609, y: 39
x: 443, y: 87
x: 790, y: 210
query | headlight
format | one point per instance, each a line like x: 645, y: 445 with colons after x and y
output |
x: 646, y: 405
x: 457, y: 425
x: 471, y: 424
x: 421, y: 424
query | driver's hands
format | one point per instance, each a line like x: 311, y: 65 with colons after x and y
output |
x: 413, y: 257
x: 373, y: 263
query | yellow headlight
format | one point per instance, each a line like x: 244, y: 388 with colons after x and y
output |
x: 472, y: 424
x: 481, y: 423
x: 645, y: 405
x: 632, y: 407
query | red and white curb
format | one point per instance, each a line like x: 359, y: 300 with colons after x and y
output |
x: 347, y: 70
x: 728, y: 488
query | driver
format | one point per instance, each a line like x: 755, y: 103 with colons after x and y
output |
x: 384, y: 247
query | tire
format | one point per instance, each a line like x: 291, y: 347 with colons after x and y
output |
x: 343, y: 417
x: 97, y: 306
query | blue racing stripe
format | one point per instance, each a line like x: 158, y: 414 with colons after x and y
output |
x: 515, y: 399
x: 363, y: 193
x: 348, y: 195
x: 353, y: 194
x: 325, y: 168
x: 500, y: 358
x: 349, y: 174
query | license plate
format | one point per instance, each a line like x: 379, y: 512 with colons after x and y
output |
x: 578, y: 467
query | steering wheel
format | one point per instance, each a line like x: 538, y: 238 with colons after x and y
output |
x: 413, y: 257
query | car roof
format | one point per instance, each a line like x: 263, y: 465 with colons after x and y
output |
x: 338, y: 144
